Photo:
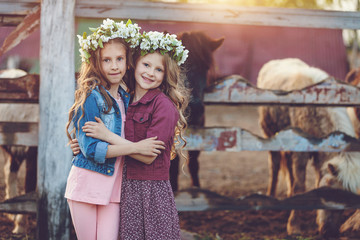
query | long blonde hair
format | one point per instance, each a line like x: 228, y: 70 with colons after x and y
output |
x: 90, y: 76
x: 173, y: 86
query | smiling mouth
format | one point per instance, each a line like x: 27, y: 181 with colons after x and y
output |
x: 114, y: 74
x: 147, y: 80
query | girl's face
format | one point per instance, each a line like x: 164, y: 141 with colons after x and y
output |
x: 149, y: 72
x: 113, y: 62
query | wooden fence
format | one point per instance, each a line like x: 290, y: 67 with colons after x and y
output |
x: 57, y: 71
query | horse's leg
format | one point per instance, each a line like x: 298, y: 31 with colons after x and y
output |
x: 31, y: 170
x: 274, y: 167
x: 174, y: 172
x: 21, y: 220
x: 287, y: 159
x: 317, y: 166
x: 299, y: 170
x: 11, y: 168
x: 194, y: 167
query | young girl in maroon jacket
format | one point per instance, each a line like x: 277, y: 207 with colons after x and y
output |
x: 147, y: 205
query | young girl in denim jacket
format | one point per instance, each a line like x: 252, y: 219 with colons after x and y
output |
x: 94, y: 183
x: 147, y: 204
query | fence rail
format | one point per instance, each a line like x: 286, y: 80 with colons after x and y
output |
x: 207, y: 13
x: 197, y: 199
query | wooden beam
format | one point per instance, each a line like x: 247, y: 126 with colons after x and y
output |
x: 21, y: 134
x: 218, y: 13
x: 196, y: 199
x: 22, y: 89
x: 57, y: 87
x: 17, y: 7
x: 237, y: 90
x: 235, y: 139
x: 21, y: 204
x: 205, y: 13
x: 29, y: 24
x: 10, y: 20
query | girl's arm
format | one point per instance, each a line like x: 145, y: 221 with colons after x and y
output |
x: 74, y: 145
x: 145, y: 151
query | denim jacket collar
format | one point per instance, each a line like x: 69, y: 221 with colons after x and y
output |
x: 123, y: 93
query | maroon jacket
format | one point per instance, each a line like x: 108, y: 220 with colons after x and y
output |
x: 153, y: 115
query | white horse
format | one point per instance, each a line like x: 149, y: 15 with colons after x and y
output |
x: 338, y: 170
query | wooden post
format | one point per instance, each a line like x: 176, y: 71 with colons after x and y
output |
x: 57, y: 88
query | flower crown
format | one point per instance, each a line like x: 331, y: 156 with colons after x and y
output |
x: 165, y: 43
x: 108, y: 30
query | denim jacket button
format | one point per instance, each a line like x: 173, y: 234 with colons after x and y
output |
x: 109, y: 171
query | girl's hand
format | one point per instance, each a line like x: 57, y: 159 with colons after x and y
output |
x: 150, y: 147
x: 96, y: 129
x: 74, y: 145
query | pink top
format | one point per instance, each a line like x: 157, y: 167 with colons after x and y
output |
x: 91, y: 187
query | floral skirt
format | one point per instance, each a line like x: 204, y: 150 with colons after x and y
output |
x: 148, y: 210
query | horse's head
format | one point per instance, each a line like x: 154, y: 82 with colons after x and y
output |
x: 341, y: 172
x: 201, y: 48
x: 329, y: 220
x: 200, y: 70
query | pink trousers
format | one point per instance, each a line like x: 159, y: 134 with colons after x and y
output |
x: 95, y: 222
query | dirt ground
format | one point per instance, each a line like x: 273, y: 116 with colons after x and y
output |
x: 230, y: 174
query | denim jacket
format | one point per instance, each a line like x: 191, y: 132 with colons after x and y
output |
x: 93, y: 151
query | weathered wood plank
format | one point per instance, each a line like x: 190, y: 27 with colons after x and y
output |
x: 11, y: 20
x: 20, y: 204
x: 293, y: 139
x: 57, y: 89
x: 17, y: 7
x: 218, y: 13
x: 19, y: 112
x: 15, y: 133
x: 230, y: 90
x: 207, y: 13
x: 22, y: 89
x: 235, y: 89
x: 29, y: 24
x: 196, y: 199
x: 215, y: 139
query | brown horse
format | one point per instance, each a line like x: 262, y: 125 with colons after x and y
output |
x: 200, y: 74
x: 15, y: 155
x: 339, y: 170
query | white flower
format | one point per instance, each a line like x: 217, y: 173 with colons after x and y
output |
x: 109, y: 30
x: 108, y: 23
x: 145, y: 44
x: 94, y: 43
x: 165, y: 43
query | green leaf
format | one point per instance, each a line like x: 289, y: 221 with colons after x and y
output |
x: 92, y: 29
x: 84, y: 35
x: 128, y: 22
x: 87, y: 55
x: 143, y: 52
x: 100, y: 43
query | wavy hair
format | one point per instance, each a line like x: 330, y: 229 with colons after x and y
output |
x: 90, y: 76
x: 173, y: 86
